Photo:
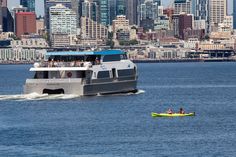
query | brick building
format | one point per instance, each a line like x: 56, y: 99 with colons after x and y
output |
x: 25, y: 23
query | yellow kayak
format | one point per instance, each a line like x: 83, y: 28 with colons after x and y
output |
x: 172, y: 115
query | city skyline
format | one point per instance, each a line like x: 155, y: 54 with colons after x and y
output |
x: 40, y: 11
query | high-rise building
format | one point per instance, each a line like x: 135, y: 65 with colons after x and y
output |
x: 120, y: 7
x: 0, y: 17
x: 185, y: 22
x: 148, y: 11
x: 90, y: 10
x: 104, y: 9
x: 75, y: 8
x: 217, y: 12
x: 116, y: 7
x: 62, y: 20
x: 120, y: 23
x: 7, y: 20
x: 200, y: 10
x: 30, y: 4
x: 234, y: 13
x: 158, y: 2
x: 50, y: 3
x: 92, y: 30
x: 182, y: 6
x: 25, y: 23
x: 112, y: 10
x: 131, y: 11
x: 15, y: 10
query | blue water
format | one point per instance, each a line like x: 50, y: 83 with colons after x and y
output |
x: 121, y: 125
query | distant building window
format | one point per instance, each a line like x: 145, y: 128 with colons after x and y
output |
x: 103, y: 74
x: 126, y: 72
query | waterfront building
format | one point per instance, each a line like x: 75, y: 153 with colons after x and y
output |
x: 93, y: 30
x: 20, y: 54
x: 210, y: 45
x: 104, y: 10
x: 191, y: 43
x: 131, y: 11
x: 30, y: 43
x: 29, y: 4
x: 6, y: 35
x: 217, y: 13
x: 90, y: 10
x: 224, y: 35
x: 226, y: 25
x: 62, y: 20
x: 234, y: 13
x: 182, y: 6
x: 25, y: 23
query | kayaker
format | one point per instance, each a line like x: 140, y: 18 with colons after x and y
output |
x: 169, y: 111
x: 181, y: 111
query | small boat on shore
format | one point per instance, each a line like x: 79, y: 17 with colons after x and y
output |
x: 172, y: 115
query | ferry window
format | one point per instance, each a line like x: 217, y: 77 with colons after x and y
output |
x: 103, y: 74
x: 80, y: 74
x: 54, y: 74
x: 126, y: 72
x: 111, y: 58
x: 41, y: 75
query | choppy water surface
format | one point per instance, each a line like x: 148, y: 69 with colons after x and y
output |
x: 121, y: 125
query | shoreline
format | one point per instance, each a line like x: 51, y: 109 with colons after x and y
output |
x: 184, y: 60
x: 146, y: 61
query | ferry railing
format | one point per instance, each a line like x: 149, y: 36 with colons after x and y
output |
x: 67, y: 64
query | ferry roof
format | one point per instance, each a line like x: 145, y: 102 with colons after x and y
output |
x: 76, y: 53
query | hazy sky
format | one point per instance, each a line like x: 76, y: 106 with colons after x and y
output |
x: 40, y: 6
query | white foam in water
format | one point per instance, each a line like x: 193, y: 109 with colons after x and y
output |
x: 35, y: 96
x: 140, y: 91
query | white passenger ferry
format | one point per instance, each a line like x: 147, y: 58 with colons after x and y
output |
x: 83, y: 73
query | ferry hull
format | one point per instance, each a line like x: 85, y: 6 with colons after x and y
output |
x: 77, y: 88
